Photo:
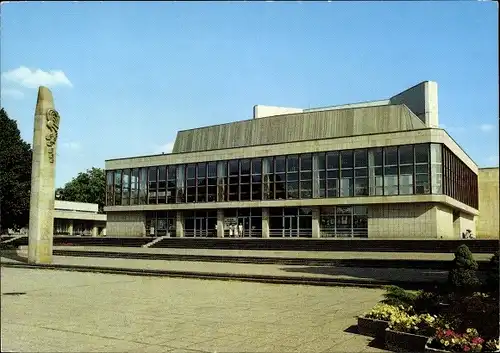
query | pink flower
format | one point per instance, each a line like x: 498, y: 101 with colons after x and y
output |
x: 477, y: 340
x: 466, y: 348
x: 448, y: 332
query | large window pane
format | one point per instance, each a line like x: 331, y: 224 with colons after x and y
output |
x: 181, y: 186
x: 134, y: 187
x: 109, y: 188
x: 436, y: 169
x: 375, y: 162
x: 360, y: 159
x: 118, y: 187
x: 152, y: 185
x: 143, y: 186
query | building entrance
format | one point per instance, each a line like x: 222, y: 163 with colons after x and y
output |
x: 290, y: 228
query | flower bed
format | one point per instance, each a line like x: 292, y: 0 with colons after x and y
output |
x: 447, y: 340
x: 372, y: 327
x: 398, y: 341
x: 375, y: 322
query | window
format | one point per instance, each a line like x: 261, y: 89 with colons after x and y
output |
x: 191, y: 183
x: 267, y: 179
x: 376, y: 176
x: 143, y: 186
x: 332, y: 174
x: 360, y: 173
x: 280, y: 178
x: 436, y: 169
x: 319, y: 175
x: 126, y: 187
x: 118, y: 187
x: 109, y: 188
x: 422, y: 185
x: 134, y: 187
x: 152, y: 185
x: 233, y: 168
x: 212, y: 182
x: 180, y: 184
x: 221, y: 181
x: 162, y: 184
x: 201, y: 183
x: 346, y: 173
x: 292, y: 177
x: 306, y: 176
x: 171, y: 183
x: 406, y: 170
x: 256, y: 179
x: 391, y: 171
x: 244, y: 180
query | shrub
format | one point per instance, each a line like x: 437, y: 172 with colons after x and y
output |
x: 384, y: 312
x: 479, y: 311
x: 462, y: 277
x: 397, y: 296
x: 493, y: 274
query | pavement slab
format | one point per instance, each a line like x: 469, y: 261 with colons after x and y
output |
x: 88, y: 312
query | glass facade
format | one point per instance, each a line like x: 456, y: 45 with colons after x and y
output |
x: 161, y: 223
x: 392, y: 170
x: 459, y: 182
x: 290, y: 222
x: 344, y: 221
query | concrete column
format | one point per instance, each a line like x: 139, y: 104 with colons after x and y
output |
x: 94, y: 231
x: 41, y: 223
x: 265, y: 223
x: 316, y: 233
x: 70, y: 227
x: 179, y: 225
x: 220, y: 223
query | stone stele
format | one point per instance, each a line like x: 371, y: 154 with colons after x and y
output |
x: 41, y: 224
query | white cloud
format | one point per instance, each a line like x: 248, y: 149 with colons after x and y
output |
x: 166, y: 148
x: 12, y: 93
x: 71, y: 145
x: 486, y: 127
x: 33, y: 78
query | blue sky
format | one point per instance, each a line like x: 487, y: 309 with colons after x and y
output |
x: 127, y: 76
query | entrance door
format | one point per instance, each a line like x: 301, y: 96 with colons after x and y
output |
x: 290, y: 226
x: 200, y: 227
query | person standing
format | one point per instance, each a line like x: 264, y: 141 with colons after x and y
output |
x: 240, y: 229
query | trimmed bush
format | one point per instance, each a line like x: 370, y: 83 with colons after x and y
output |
x: 462, y: 277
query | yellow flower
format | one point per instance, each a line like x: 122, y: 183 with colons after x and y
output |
x: 446, y: 343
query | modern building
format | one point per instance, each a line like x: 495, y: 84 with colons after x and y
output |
x: 488, y: 225
x: 379, y: 169
x: 78, y: 218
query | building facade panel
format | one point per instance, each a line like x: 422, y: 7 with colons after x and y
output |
x: 126, y: 224
x: 488, y: 225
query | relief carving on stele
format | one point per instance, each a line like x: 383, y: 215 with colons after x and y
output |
x: 53, y: 127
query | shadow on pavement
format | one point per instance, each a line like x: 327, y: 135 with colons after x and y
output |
x: 13, y: 255
x: 381, y: 274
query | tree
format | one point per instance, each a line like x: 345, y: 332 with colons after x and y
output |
x: 15, y: 175
x: 86, y: 187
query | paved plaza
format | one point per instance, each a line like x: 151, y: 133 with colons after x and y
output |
x: 87, y: 312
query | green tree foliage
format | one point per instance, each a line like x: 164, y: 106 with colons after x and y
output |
x: 15, y: 175
x: 86, y: 187
x: 462, y: 276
